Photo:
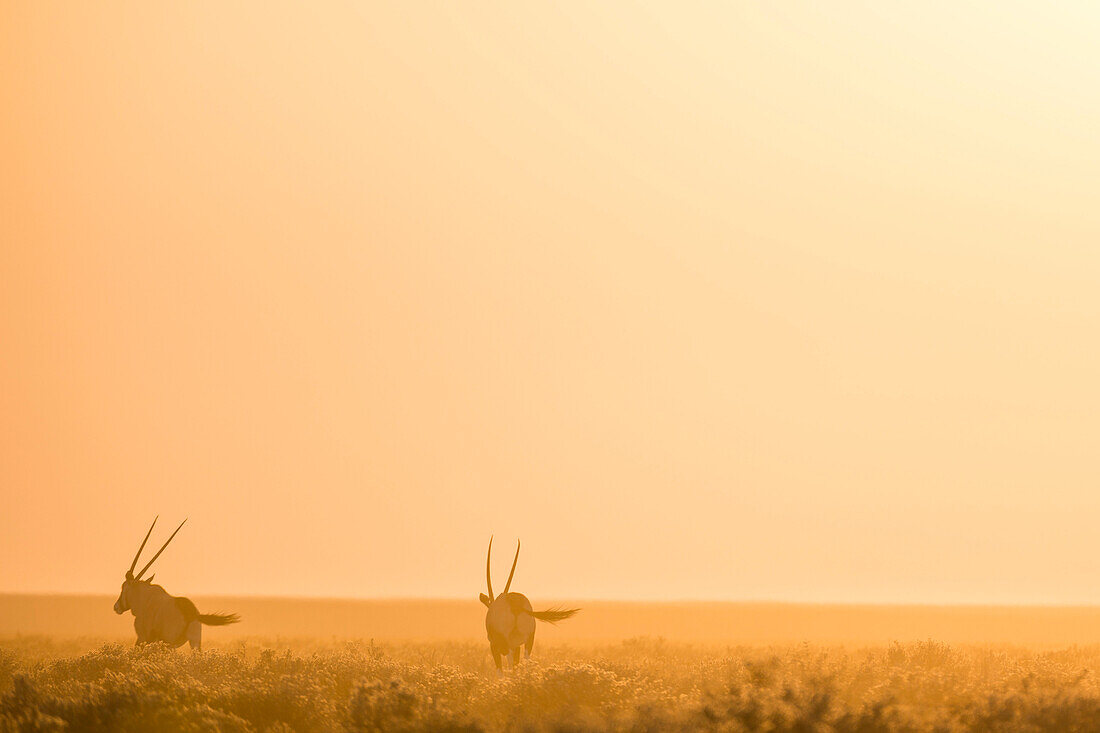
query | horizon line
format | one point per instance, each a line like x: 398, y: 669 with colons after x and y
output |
x: 629, y: 601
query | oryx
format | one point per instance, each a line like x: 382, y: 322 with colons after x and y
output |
x: 159, y: 616
x: 510, y: 621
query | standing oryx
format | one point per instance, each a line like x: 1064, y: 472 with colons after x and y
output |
x: 510, y: 621
x: 159, y: 616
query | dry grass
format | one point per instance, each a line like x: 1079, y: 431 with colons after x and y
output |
x: 639, y: 685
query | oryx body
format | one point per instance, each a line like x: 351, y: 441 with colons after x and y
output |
x: 159, y: 616
x: 510, y: 619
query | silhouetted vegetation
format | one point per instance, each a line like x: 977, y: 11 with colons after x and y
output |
x: 640, y: 685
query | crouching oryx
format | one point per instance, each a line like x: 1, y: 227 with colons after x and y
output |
x: 159, y: 616
x: 510, y: 621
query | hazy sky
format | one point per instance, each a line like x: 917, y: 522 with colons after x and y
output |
x: 734, y: 300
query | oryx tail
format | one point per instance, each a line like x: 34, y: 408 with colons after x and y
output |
x: 191, y: 613
x: 554, y: 615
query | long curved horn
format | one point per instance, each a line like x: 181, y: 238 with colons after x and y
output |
x: 160, y: 550
x: 488, y: 572
x: 509, y: 583
x: 134, y: 563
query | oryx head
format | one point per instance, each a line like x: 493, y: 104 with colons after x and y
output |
x: 122, y: 605
x: 488, y: 599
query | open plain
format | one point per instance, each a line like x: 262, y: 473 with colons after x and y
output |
x: 67, y: 663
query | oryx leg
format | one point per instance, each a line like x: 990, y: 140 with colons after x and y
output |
x: 527, y: 646
x: 142, y: 631
x: 499, y: 663
x: 515, y: 657
x: 194, y: 635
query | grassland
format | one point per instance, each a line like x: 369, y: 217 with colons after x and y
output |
x: 66, y: 663
x: 636, y: 685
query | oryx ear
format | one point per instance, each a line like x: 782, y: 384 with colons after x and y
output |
x: 485, y: 599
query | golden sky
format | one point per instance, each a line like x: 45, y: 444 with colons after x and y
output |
x: 702, y: 300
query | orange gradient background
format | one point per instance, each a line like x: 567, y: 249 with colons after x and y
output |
x: 701, y: 300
